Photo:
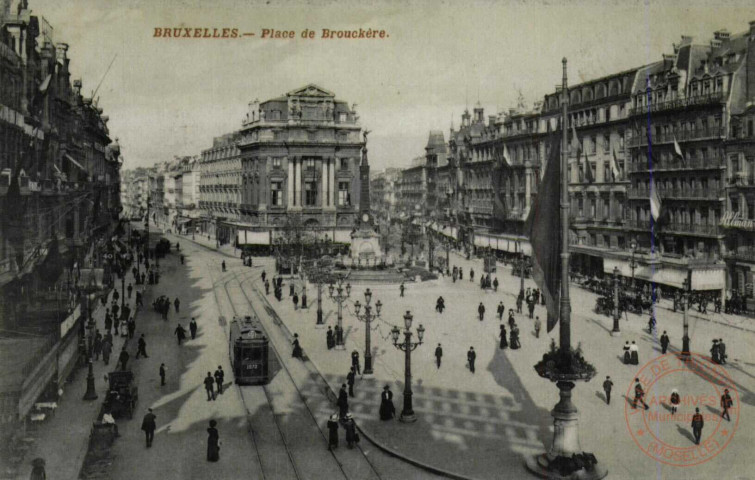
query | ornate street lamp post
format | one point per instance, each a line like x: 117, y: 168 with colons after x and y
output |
x: 616, y: 332
x: 685, y: 353
x: 407, y: 414
x: 367, y: 318
x: 339, y: 293
x: 521, y: 269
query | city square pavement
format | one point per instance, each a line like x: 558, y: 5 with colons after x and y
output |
x: 482, y: 425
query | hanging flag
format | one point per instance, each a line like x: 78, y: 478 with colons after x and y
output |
x: 655, y: 201
x: 678, y: 151
x: 506, y: 158
x: 544, y: 226
x: 589, y: 176
x: 615, y: 172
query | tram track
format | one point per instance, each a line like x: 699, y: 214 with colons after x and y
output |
x: 312, y: 373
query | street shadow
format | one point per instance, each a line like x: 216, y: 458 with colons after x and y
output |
x: 667, y: 406
x: 600, y: 324
x: 699, y: 365
x: 713, y: 410
x: 600, y: 395
x: 685, y: 433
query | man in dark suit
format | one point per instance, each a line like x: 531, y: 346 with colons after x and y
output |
x: 149, y: 426
x: 697, y: 425
x: 350, y: 379
x: 438, y: 355
x: 607, y: 386
x: 343, y: 402
x: 471, y: 356
x: 664, y: 342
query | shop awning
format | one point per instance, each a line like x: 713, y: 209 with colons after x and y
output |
x: 72, y: 160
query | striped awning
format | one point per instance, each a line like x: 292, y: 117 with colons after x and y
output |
x: 72, y: 160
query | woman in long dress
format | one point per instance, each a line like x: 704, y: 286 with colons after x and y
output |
x: 333, y: 432
x: 627, y: 356
x: 351, y: 431
x: 504, y: 342
x: 213, y: 442
x: 387, y: 410
x: 514, y: 342
x: 297, y: 353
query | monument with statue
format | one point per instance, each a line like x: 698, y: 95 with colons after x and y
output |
x: 365, y: 240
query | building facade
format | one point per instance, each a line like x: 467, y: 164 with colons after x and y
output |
x: 295, y: 155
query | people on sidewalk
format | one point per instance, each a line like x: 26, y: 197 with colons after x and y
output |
x: 438, y: 355
x: 726, y: 404
x: 193, y: 328
x: 343, y: 402
x: 639, y: 395
x: 180, y: 333
x: 352, y: 437
x: 213, y: 442
x: 697, y: 425
x: 297, y: 351
x: 355, y: 361
x: 141, y: 349
x: 162, y: 374
x: 123, y: 357
x: 471, y: 357
x: 387, y: 409
x: 149, y: 426
x: 209, y: 386
x: 607, y: 386
x: 333, y: 432
x: 219, y: 379
x: 350, y: 379
x: 664, y: 342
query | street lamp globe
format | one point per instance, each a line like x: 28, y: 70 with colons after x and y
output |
x: 420, y: 332
x: 408, y: 320
x: 633, y: 244
x: 331, y: 289
x: 378, y: 306
x: 394, y: 334
x: 348, y: 289
x: 616, y: 271
x: 367, y: 296
x: 357, y: 306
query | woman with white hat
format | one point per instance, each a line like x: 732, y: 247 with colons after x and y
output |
x: 333, y: 432
x: 352, y: 436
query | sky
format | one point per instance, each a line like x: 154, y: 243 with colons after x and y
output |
x: 171, y: 96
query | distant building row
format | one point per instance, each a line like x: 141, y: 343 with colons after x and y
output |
x: 686, y: 121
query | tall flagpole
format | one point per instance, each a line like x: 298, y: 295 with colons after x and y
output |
x: 564, y: 328
x: 567, y: 366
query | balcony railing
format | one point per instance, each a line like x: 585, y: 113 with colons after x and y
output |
x: 742, y: 253
x: 694, y: 163
x: 742, y: 179
x: 679, y: 103
x: 677, y: 193
x: 691, y: 228
x: 679, y: 136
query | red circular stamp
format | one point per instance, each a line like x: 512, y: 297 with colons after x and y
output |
x: 674, y: 409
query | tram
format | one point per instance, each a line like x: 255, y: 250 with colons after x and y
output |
x: 248, y: 348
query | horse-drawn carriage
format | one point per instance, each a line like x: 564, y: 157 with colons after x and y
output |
x: 122, y: 394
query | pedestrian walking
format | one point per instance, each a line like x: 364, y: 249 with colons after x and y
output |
x: 471, y: 356
x: 511, y: 319
x: 123, y: 358
x: 209, y: 386
x: 355, y: 361
x: 664, y: 342
x: 714, y: 352
x: 627, y: 354
x: 697, y: 425
x: 107, y: 349
x: 296, y: 301
x: 352, y: 437
x: 538, y: 326
x: 141, y: 348
x: 481, y: 311
x: 97, y: 347
x: 387, y: 409
x: 674, y: 400
x: 139, y: 299
x: 726, y: 404
x: 182, y: 259
x: 495, y: 284
x: 401, y: 289
x: 350, y: 378
x: 471, y: 275
x: 343, y: 402
x: 438, y: 355
x: 607, y: 386
x: 131, y: 327
x: 219, y: 379
x: 531, y: 307
x: 223, y: 265
x: 634, y: 353
x: 514, y: 338
x: 176, y: 303
x: 333, y: 432
x: 651, y: 324
x: 180, y: 333
x: 500, y: 310
x: 129, y: 289
x: 721, y: 351
x: 213, y: 442
x: 519, y: 301
x: 639, y: 395
x: 38, y: 471
x: 297, y: 351
x: 503, y: 342
x: 330, y: 340
x: 162, y: 374
x: 149, y: 426
x: 193, y: 328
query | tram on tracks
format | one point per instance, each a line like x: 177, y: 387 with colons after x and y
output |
x: 248, y: 348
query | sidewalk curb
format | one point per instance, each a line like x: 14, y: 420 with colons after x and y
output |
x: 438, y: 471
